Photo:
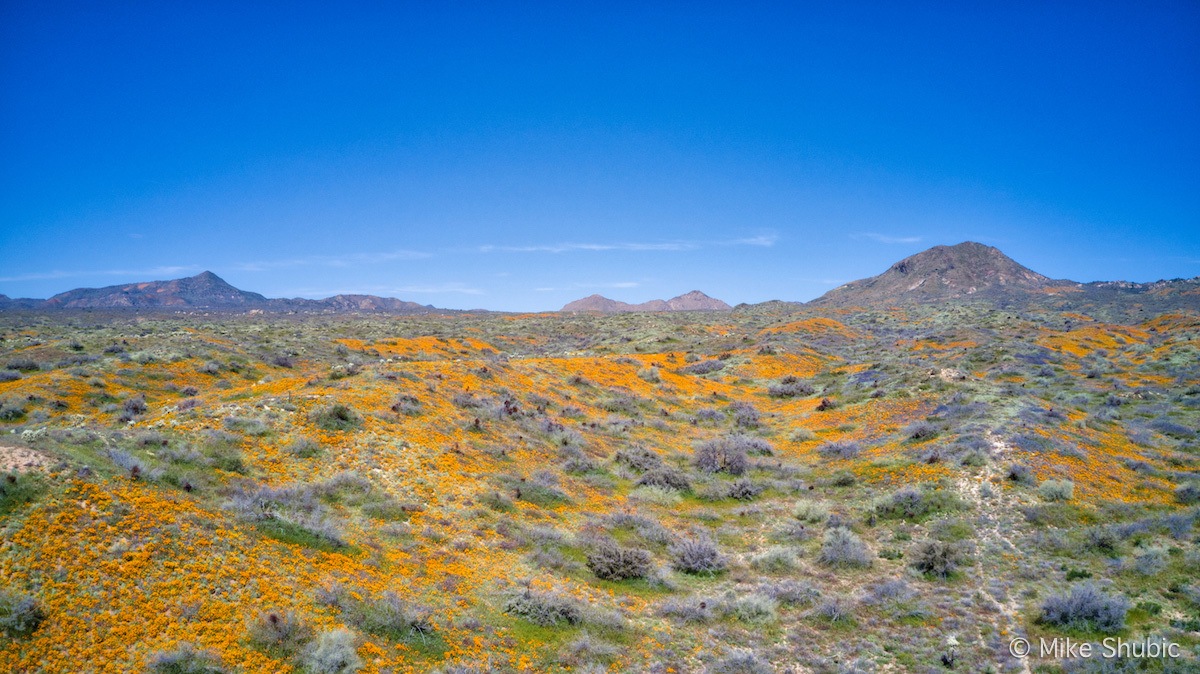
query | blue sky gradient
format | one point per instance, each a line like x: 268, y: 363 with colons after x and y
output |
x: 516, y: 156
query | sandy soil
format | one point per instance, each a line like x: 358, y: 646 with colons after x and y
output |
x: 22, y: 459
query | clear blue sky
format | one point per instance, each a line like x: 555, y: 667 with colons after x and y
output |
x: 519, y: 155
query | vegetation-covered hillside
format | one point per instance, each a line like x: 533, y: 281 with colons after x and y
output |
x: 773, y: 489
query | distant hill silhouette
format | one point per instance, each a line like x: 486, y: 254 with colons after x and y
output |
x: 207, y: 291
x: 202, y: 290
x: 943, y: 272
x: 691, y: 301
x: 967, y: 271
x: 974, y: 271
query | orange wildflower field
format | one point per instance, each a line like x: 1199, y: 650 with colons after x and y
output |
x: 754, y: 491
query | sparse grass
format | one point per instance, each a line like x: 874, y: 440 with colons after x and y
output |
x: 19, y: 489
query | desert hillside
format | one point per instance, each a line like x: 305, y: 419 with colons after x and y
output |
x: 771, y: 489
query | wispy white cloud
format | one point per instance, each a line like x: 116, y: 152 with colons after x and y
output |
x: 885, y: 238
x: 569, y: 247
x: 153, y: 273
x: 764, y: 240
x: 591, y: 286
x: 344, y: 260
x: 391, y: 291
x: 461, y: 288
x: 615, y: 284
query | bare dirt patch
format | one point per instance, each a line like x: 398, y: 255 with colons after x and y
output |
x: 22, y: 459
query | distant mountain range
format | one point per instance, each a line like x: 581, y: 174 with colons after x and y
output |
x: 965, y: 271
x: 692, y: 301
x: 208, y: 291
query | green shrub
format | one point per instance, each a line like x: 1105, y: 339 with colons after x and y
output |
x: 811, y: 512
x: 292, y: 514
x: 497, y: 501
x: 752, y: 608
x: 335, y: 417
x: 917, y: 504
x: 775, y: 560
x: 17, y: 489
x: 1057, y: 490
x: 1020, y: 473
x: 11, y: 411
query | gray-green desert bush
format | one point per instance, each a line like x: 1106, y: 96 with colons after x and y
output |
x: 1057, y: 490
x: 696, y: 554
x: 938, y: 558
x: 185, y: 659
x: 547, y: 608
x: 610, y: 561
x: 20, y: 614
x: 333, y: 652
x: 283, y: 631
x: 1086, y: 606
x: 842, y: 548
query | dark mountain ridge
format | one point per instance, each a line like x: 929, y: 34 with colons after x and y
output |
x: 202, y: 290
x: 207, y: 291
